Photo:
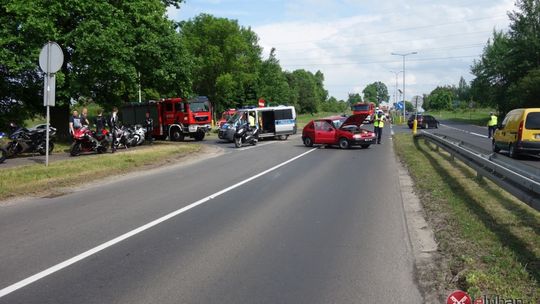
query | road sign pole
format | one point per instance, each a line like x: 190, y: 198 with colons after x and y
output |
x: 47, y: 102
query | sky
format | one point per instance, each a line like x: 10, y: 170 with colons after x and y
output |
x: 352, y: 41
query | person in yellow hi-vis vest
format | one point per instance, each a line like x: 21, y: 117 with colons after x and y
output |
x: 376, y: 122
x: 381, y: 119
x: 492, y: 124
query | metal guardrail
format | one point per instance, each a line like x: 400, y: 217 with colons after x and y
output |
x: 521, y: 181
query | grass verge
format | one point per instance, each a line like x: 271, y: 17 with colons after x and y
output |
x: 477, y: 117
x: 35, y: 179
x: 489, y: 238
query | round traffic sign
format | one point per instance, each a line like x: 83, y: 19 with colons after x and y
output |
x: 51, y: 58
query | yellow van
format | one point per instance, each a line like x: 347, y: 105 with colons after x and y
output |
x: 519, y: 133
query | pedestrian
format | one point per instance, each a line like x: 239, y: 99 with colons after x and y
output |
x: 113, y: 123
x: 74, y: 122
x: 84, y: 118
x: 492, y: 124
x: 381, y: 126
x: 149, y: 124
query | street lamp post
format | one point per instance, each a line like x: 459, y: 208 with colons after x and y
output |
x: 396, y: 89
x: 404, y: 55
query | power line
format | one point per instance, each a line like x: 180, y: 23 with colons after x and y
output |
x: 380, y: 62
x: 406, y: 29
x: 341, y: 45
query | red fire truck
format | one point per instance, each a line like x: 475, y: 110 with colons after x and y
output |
x: 365, y: 108
x: 174, y: 118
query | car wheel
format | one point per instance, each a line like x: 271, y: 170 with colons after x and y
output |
x: 512, y: 151
x: 343, y: 143
x: 308, y: 142
x: 494, y: 147
x: 176, y: 135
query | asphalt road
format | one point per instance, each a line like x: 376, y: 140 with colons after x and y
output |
x: 275, y: 223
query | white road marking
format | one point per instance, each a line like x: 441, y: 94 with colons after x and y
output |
x: 258, y: 145
x: 468, y: 132
x: 11, y: 288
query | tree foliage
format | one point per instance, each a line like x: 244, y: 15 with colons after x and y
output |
x: 507, y: 73
x: 227, y: 59
x: 440, y: 98
x: 376, y: 92
x: 106, y: 45
x: 354, y: 98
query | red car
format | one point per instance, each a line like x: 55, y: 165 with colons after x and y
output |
x: 342, y: 131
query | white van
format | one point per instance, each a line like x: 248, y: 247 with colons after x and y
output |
x: 276, y: 122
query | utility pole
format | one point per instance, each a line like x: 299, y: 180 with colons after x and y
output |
x: 396, y: 89
x: 404, y: 55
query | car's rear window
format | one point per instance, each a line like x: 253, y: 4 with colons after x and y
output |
x: 532, y: 121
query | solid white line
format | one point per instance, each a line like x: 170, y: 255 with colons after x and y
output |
x: 84, y: 255
x: 472, y: 133
x: 259, y: 145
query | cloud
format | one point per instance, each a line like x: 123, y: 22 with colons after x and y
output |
x: 351, y: 45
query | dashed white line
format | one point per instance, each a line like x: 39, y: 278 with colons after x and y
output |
x: 11, y: 288
x: 468, y: 132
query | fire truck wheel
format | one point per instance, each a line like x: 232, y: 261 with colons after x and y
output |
x: 199, y: 136
x: 176, y: 135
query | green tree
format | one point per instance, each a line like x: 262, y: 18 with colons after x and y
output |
x: 506, y: 75
x: 273, y: 86
x: 106, y: 45
x: 305, y: 91
x: 376, y: 92
x: 441, y: 98
x: 221, y: 47
x: 354, y: 98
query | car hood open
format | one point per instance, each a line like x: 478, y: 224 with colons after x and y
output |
x: 354, y: 120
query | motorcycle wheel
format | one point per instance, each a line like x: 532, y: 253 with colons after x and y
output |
x: 101, y: 149
x: 3, y: 155
x: 254, y: 142
x: 42, y: 150
x: 12, y: 149
x: 75, y: 149
x: 238, y: 142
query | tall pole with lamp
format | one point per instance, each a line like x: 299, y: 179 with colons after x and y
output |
x: 396, y: 89
x: 404, y: 55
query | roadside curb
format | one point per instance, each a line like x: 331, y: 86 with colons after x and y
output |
x: 427, y: 262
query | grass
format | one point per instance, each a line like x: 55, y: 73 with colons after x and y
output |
x: 36, y: 179
x: 471, y: 116
x: 489, y: 238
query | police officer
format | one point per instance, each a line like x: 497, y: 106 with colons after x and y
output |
x: 381, y: 119
x: 376, y: 123
x: 492, y: 124
x: 149, y: 125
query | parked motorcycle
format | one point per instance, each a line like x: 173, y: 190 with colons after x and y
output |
x: 122, y: 137
x: 24, y: 140
x: 138, y: 134
x: 83, y: 143
x: 244, y: 135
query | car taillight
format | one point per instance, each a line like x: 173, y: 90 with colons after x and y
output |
x: 520, y: 131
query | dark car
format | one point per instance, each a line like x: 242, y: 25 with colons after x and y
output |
x: 342, y: 131
x: 424, y: 121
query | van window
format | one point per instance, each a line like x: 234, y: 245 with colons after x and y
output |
x: 532, y: 122
x: 283, y: 114
x: 168, y: 107
x: 505, y: 121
